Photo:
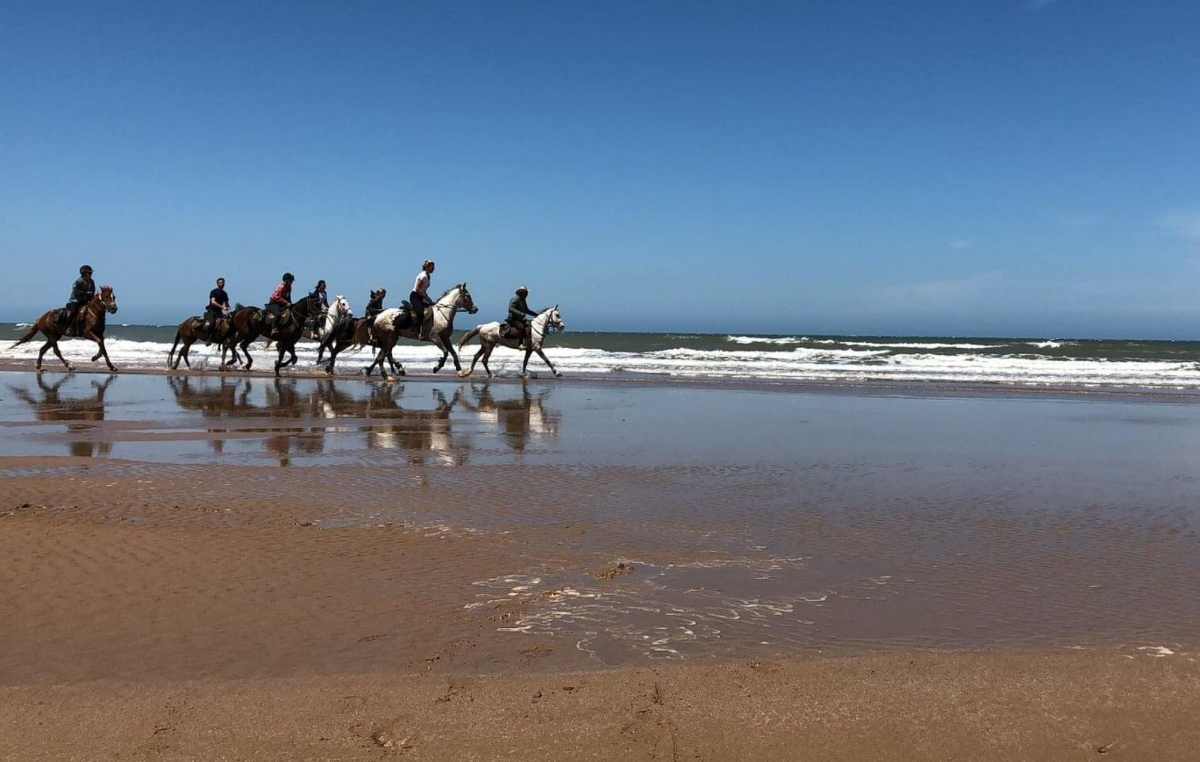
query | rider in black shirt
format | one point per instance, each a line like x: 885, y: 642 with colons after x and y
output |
x: 218, y: 305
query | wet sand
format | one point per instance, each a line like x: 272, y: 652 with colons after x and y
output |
x: 193, y: 567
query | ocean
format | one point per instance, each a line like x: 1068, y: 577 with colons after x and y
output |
x: 797, y: 357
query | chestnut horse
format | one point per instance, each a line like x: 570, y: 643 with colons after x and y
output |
x: 89, y: 324
x: 195, y: 329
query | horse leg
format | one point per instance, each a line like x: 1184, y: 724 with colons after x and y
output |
x: 525, y: 364
x: 52, y: 344
x: 487, y: 352
x: 104, y: 353
x: 100, y: 350
x: 245, y: 345
x: 546, y: 360
x: 437, y: 342
x: 185, y: 353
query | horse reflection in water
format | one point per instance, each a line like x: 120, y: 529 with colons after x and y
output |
x: 424, y: 436
x: 81, y: 414
x: 303, y: 412
x: 519, y: 419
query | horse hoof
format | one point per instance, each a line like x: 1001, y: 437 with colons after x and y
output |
x: 557, y: 375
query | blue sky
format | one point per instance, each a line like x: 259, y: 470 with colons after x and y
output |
x: 967, y: 168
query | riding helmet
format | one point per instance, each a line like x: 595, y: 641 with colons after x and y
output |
x: 522, y: 289
x: 85, y: 270
x: 288, y: 277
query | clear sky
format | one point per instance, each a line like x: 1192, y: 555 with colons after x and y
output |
x: 961, y: 167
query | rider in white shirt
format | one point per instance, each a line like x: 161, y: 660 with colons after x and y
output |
x: 419, y: 298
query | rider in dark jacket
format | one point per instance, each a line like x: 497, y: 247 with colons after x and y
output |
x: 83, y: 290
x: 375, y: 303
x: 517, y: 310
x: 322, y: 298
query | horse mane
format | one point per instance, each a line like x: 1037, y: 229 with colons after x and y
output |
x: 447, y: 291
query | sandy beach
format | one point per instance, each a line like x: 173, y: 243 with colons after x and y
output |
x: 205, y: 567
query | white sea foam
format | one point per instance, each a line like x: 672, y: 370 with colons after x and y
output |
x: 765, y: 340
x: 837, y: 361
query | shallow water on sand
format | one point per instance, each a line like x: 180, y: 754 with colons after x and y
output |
x: 744, y: 518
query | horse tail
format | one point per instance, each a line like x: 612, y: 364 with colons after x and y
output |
x: 171, y: 354
x: 27, y: 337
x: 468, y: 336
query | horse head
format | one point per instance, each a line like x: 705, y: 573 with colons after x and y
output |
x: 108, y: 299
x: 341, y: 307
x: 465, y: 302
x: 554, y: 320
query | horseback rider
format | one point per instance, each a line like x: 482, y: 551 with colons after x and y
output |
x: 321, y: 297
x: 517, y: 310
x: 322, y: 303
x: 419, y: 299
x: 374, y: 307
x: 281, y: 299
x: 83, y: 290
x: 375, y: 303
x: 218, y: 305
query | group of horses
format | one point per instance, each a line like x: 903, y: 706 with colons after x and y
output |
x: 335, y: 330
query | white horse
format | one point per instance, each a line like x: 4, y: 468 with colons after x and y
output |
x: 393, y: 323
x: 338, y: 313
x: 489, y: 336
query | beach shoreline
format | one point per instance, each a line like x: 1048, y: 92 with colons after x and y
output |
x: 638, y: 380
x: 198, y: 566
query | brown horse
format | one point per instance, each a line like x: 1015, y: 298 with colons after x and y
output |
x: 89, y: 324
x: 289, y: 332
x: 195, y: 329
x: 246, y: 325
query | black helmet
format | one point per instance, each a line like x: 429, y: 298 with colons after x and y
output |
x: 85, y: 270
x: 288, y: 277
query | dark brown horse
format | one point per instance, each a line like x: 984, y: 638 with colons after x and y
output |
x: 249, y: 323
x: 290, y: 331
x: 89, y: 324
x: 246, y: 325
x: 195, y: 329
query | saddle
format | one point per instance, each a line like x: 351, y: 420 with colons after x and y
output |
x: 412, y: 314
x: 221, y: 325
x: 75, y: 327
x: 506, y: 332
x: 275, y: 323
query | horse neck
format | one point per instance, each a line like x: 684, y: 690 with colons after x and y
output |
x: 538, y: 326
x: 301, y: 308
x: 450, y: 298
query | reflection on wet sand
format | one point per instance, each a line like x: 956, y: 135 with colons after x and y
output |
x: 519, y: 419
x: 317, y: 420
x: 81, y: 414
x: 305, y: 412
